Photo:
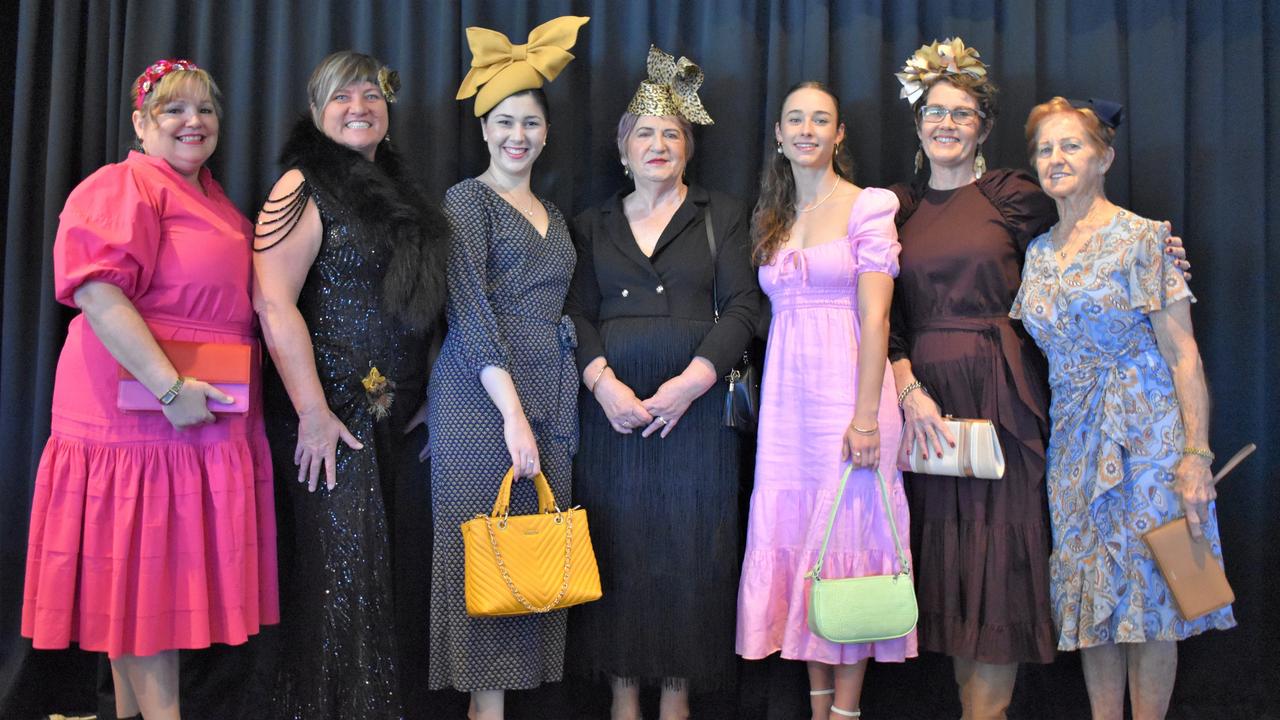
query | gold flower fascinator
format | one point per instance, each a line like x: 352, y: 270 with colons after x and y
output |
x: 933, y: 62
x: 672, y: 89
x: 499, y: 68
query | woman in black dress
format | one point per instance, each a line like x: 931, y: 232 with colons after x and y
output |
x: 349, y: 278
x: 503, y: 390
x: 657, y: 470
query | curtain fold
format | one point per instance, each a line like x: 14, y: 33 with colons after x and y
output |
x: 1201, y: 147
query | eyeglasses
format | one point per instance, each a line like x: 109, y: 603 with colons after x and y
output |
x: 960, y: 115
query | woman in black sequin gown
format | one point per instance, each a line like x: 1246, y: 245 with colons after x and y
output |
x: 349, y: 281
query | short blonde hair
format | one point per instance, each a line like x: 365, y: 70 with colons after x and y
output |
x: 1101, y: 136
x: 179, y: 83
x: 335, y: 72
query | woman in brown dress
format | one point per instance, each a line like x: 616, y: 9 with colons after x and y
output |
x: 981, y: 546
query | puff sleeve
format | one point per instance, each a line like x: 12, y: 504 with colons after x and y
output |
x: 1026, y: 211
x: 468, y: 309
x: 109, y: 231
x: 1155, y: 282
x: 874, y: 234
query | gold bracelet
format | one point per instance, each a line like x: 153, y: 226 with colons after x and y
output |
x: 872, y: 431
x: 1199, y: 452
x: 592, y: 387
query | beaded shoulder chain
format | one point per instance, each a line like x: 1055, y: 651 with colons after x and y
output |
x: 285, y: 217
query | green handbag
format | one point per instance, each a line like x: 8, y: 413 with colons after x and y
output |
x: 862, y: 609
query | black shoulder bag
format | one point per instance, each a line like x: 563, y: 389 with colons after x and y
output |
x: 742, y: 401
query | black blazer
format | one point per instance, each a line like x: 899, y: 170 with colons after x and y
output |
x: 614, y: 279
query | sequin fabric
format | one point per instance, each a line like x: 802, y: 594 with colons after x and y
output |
x: 507, y: 286
x: 338, y: 654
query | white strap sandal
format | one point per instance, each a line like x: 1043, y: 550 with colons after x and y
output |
x: 828, y: 691
x: 846, y: 713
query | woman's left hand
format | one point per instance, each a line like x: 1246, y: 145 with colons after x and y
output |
x: 419, y: 418
x: 669, y: 404
x: 1193, y: 482
x: 863, y: 450
x: 1173, y: 246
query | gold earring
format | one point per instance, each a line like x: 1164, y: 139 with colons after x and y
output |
x: 979, y: 164
x: 919, y: 159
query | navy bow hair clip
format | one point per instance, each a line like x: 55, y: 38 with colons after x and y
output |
x: 1109, y: 112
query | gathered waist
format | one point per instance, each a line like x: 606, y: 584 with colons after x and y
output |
x: 246, y: 329
x: 964, y: 323
x: 840, y: 298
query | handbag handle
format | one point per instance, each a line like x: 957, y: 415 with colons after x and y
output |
x: 711, y: 243
x: 546, y: 499
x: 904, y: 566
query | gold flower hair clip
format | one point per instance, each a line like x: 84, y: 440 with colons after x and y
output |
x: 388, y: 83
x: 935, y: 61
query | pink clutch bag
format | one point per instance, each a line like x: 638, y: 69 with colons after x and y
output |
x: 226, y: 366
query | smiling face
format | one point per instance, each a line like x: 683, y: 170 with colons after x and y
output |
x: 515, y: 131
x: 656, y: 150
x: 809, y: 129
x: 949, y: 144
x: 1069, y: 163
x: 355, y: 116
x: 182, y: 130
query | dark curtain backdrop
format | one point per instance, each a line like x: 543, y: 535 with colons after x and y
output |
x: 1201, y: 148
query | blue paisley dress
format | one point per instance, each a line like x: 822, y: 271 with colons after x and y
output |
x: 1116, y: 432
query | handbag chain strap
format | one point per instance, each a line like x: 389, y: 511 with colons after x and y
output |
x: 506, y: 578
x: 904, y: 566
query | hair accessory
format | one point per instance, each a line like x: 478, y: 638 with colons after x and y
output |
x: 499, y: 68
x: 932, y: 62
x: 152, y: 76
x: 1108, y: 112
x: 388, y: 83
x: 672, y: 89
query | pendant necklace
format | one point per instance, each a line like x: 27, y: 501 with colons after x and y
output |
x: 824, y: 199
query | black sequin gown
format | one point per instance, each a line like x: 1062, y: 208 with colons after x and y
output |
x: 337, y: 659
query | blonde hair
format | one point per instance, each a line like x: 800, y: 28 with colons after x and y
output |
x: 335, y: 72
x: 1099, y: 134
x: 179, y: 83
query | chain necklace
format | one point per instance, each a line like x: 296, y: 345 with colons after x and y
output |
x: 825, y: 198
x: 506, y: 195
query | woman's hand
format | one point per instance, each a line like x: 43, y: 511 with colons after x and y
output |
x: 189, y: 408
x: 419, y: 418
x: 922, y: 426
x: 1173, y: 246
x: 318, y: 433
x: 522, y: 446
x: 862, y: 449
x: 620, y: 405
x: 1193, y: 482
x: 674, y: 396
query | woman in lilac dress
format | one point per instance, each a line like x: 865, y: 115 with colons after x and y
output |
x: 1129, y: 445
x: 828, y: 253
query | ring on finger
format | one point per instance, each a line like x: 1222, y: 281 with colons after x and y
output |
x: 660, y: 419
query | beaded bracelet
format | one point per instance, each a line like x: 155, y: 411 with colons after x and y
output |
x: 913, y: 385
x: 1199, y: 452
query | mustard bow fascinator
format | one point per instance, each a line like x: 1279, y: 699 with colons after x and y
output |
x: 672, y: 89
x: 499, y: 68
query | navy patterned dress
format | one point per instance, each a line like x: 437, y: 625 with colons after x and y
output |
x: 507, y: 286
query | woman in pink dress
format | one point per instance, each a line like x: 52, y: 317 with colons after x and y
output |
x: 828, y: 253
x: 152, y: 531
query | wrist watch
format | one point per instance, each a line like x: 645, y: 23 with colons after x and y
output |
x: 172, y: 393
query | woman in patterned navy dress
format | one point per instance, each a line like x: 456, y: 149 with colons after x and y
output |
x: 504, y: 390
x: 1129, y: 445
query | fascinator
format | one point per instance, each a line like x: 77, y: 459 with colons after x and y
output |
x: 935, y: 61
x: 1108, y: 112
x: 152, y: 76
x: 499, y: 68
x: 672, y: 89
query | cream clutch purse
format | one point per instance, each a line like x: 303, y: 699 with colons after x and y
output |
x: 977, y: 452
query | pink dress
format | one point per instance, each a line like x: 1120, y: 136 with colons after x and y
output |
x: 145, y: 538
x: 807, y: 398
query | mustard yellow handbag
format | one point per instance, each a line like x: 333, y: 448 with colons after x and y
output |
x: 523, y: 564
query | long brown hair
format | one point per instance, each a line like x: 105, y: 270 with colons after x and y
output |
x: 776, y: 209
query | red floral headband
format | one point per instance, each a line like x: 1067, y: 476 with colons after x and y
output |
x: 152, y: 76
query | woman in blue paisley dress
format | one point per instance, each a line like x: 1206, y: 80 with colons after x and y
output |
x: 504, y: 389
x: 1128, y: 448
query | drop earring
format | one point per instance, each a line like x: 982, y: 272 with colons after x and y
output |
x: 626, y: 169
x: 779, y: 148
x: 979, y: 164
x: 919, y: 159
